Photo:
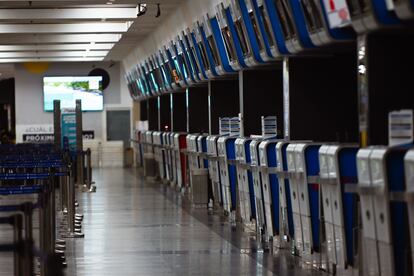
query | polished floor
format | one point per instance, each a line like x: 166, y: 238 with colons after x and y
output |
x: 134, y: 227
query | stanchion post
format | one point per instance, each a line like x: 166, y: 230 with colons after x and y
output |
x: 17, y: 237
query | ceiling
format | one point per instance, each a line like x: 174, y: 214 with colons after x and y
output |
x: 83, y: 30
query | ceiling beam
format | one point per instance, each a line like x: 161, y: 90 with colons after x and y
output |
x: 33, y: 54
x: 56, y: 47
x: 17, y: 60
x: 92, y: 28
x: 58, y: 38
x: 69, y: 13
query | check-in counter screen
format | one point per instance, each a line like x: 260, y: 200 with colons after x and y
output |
x: 358, y: 7
x: 194, y: 59
x: 185, y: 67
x: 256, y: 30
x: 241, y: 37
x: 177, y: 76
x: 158, y: 77
x: 204, y: 55
x: 286, y: 19
x: 313, y: 15
x: 214, y: 51
x: 266, y: 23
x: 228, y: 43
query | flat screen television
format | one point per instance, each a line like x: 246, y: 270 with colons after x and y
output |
x: 69, y: 89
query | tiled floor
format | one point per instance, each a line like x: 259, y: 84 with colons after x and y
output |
x: 133, y: 227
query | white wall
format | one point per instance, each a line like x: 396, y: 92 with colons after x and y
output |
x: 29, y: 95
x: 183, y: 17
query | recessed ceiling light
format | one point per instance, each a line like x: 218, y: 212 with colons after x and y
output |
x: 109, y: 3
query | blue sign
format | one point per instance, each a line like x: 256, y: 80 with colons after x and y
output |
x: 69, y: 130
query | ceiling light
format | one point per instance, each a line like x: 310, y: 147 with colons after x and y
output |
x: 109, y: 3
x: 142, y: 9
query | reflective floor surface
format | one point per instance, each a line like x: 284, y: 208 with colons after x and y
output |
x: 134, y: 227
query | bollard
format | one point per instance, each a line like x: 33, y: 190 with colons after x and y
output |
x: 18, y: 239
x: 73, y: 230
x: 88, y: 187
x: 27, y: 209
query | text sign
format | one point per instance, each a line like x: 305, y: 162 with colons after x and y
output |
x: 400, y: 127
x: 337, y: 12
x: 69, y: 130
x: 38, y: 138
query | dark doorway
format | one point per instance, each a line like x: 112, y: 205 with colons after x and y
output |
x: 118, y: 126
x: 7, y: 109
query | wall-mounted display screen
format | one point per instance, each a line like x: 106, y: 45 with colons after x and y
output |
x: 69, y: 89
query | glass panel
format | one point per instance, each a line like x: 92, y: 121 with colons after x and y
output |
x: 229, y: 44
x: 185, y: 68
x: 256, y: 30
x: 194, y: 59
x: 214, y: 51
x: 312, y: 15
x: 358, y: 7
x: 176, y: 71
x: 266, y: 23
x: 241, y: 37
x: 204, y: 55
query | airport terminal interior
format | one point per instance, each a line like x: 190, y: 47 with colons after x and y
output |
x: 206, y: 137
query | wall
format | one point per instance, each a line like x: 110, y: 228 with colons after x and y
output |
x: 183, y: 17
x: 29, y: 95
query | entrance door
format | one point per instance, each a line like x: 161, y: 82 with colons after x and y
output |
x: 118, y: 126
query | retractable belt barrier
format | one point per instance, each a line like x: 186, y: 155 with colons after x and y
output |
x: 29, y: 175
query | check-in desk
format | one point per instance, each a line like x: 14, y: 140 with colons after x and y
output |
x: 158, y: 153
x: 303, y: 167
x: 228, y: 175
x: 213, y: 169
x: 385, y: 221
x: 245, y: 181
x: 180, y: 145
x: 337, y: 172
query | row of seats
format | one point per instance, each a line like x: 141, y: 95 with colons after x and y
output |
x: 29, y: 177
x: 242, y: 34
x: 307, y: 197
